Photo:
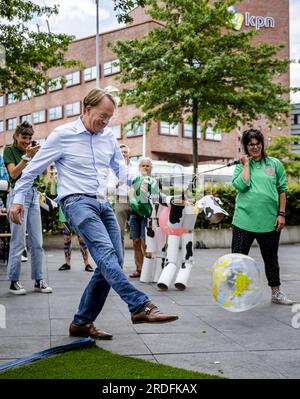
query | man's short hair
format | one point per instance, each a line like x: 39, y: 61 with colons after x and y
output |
x: 95, y: 96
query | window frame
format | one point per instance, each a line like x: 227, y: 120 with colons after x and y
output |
x: 39, y: 121
x: 26, y: 119
x: 67, y: 84
x: 9, y: 97
x: 210, y: 132
x: 55, y: 88
x: 113, y: 69
x: 176, y: 126
x: 191, y: 136
x: 24, y: 96
x: 113, y: 128
x: 56, y: 118
x: 10, y: 119
x: 93, y: 67
x: 136, y: 132
x: 73, y: 114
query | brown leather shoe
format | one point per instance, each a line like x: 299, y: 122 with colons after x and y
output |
x: 151, y: 314
x: 88, y: 330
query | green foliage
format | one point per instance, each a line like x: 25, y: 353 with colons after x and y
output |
x: 227, y: 194
x: 192, y: 58
x: 195, y: 66
x: 281, y: 148
x: 293, y: 205
x: 28, y: 55
x: 123, y: 7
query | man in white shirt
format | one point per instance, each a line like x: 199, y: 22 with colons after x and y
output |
x: 83, y: 151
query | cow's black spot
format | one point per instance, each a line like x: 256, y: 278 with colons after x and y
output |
x: 189, y: 250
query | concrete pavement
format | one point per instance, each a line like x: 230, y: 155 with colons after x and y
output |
x: 259, y: 343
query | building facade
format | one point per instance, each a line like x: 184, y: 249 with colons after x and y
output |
x: 63, y: 103
x: 295, y: 125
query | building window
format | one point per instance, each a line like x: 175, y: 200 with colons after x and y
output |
x: 27, y: 118
x: 40, y: 89
x: 73, y: 78
x: 11, y: 123
x: 188, y: 130
x: 90, y: 73
x: 296, y: 119
x: 1, y: 101
x: 56, y: 84
x: 11, y: 98
x: 1, y: 126
x: 212, y: 134
x: 169, y: 129
x: 72, y: 109
x: 133, y: 130
x: 26, y: 95
x: 39, y: 117
x: 55, y: 113
x: 117, y: 131
x: 111, y: 67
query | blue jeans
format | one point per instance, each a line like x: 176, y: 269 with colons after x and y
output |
x: 33, y: 225
x: 137, y: 226
x: 95, y: 222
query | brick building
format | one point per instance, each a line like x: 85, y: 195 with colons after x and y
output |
x: 62, y: 104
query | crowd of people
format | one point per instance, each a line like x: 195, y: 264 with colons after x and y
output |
x: 85, y: 211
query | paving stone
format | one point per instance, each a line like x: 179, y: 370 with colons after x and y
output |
x: 259, y: 343
x: 233, y: 365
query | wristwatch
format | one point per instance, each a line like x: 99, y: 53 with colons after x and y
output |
x: 26, y: 158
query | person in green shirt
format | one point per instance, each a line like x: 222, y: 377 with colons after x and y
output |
x: 16, y: 157
x: 260, y: 207
x: 140, y: 210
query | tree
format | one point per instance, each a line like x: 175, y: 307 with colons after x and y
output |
x: 281, y: 148
x: 195, y: 66
x: 28, y: 55
x: 123, y: 7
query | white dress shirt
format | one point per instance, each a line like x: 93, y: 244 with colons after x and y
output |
x: 82, y: 160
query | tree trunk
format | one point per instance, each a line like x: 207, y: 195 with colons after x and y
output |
x: 195, y: 139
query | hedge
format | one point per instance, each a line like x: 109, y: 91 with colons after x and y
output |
x: 227, y: 195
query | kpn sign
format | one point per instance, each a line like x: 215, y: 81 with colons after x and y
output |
x: 251, y: 21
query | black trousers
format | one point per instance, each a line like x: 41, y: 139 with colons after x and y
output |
x: 268, y: 244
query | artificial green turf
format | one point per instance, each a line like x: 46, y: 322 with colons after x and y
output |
x: 97, y: 363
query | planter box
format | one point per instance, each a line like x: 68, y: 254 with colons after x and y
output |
x: 219, y: 238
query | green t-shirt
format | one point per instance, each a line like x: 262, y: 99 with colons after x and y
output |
x: 61, y: 216
x: 140, y: 203
x: 257, y: 202
x: 12, y: 154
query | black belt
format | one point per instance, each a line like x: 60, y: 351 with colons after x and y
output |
x: 85, y: 195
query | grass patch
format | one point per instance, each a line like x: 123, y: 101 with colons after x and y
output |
x: 97, y: 363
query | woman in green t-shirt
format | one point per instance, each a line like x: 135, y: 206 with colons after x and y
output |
x: 260, y: 207
x: 16, y: 157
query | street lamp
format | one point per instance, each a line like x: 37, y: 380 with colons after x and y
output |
x: 97, y: 46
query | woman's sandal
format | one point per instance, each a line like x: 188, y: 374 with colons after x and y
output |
x: 135, y: 274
